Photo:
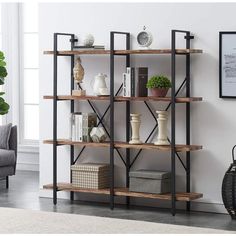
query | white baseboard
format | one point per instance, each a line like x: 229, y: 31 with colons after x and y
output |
x: 27, y: 161
x: 195, y: 206
x: 27, y: 166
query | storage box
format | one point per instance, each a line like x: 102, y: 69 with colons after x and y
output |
x: 90, y: 175
x: 150, y: 181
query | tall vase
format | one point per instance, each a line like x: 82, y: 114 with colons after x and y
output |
x: 162, y: 128
x: 135, y: 126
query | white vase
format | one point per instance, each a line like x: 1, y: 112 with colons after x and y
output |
x: 162, y: 128
x: 135, y: 126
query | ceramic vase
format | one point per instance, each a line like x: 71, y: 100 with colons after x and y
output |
x: 135, y: 126
x: 162, y: 128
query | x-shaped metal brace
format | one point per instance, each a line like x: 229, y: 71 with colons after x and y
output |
x: 100, y: 122
x: 156, y: 125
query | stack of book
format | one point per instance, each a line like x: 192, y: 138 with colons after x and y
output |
x: 135, y: 87
x: 81, y: 126
x: 95, y: 47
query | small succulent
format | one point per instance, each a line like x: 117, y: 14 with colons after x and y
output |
x: 158, y: 81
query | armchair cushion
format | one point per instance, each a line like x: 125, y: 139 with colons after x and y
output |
x: 5, y: 131
x: 7, y: 157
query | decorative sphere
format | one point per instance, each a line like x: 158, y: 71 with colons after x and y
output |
x: 88, y: 40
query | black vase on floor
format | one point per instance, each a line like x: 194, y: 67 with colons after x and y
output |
x: 229, y: 188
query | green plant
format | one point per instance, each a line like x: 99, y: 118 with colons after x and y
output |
x: 158, y: 81
x: 4, y: 107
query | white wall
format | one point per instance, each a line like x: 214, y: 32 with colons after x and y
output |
x: 213, y: 120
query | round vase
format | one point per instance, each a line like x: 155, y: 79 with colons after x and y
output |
x: 135, y: 126
x: 159, y: 92
x: 162, y: 128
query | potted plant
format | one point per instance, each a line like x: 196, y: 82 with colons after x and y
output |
x: 159, y: 85
x: 4, y: 107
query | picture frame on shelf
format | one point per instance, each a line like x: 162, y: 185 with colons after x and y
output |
x: 227, y: 64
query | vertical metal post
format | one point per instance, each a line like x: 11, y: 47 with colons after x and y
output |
x: 72, y: 109
x: 55, y: 120
x: 127, y: 123
x: 112, y: 120
x: 173, y: 203
x: 7, y: 182
x: 188, y: 117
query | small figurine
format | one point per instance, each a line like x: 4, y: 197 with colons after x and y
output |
x: 88, y: 40
x: 78, y: 73
x: 98, y: 134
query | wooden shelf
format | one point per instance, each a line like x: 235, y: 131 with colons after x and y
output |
x: 120, y: 98
x: 126, y: 192
x: 179, y: 147
x: 159, y: 99
x: 125, y: 52
x: 70, y: 97
x: 75, y: 143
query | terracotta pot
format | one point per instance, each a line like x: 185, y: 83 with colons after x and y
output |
x: 159, y: 92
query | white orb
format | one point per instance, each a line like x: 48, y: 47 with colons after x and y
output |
x: 88, y: 40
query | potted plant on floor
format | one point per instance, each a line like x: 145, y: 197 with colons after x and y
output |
x: 4, y: 107
x: 158, y: 85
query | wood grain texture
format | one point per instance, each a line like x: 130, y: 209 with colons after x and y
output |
x: 125, y: 192
x: 160, y: 99
x: 70, y: 97
x: 120, y: 98
x: 179, y: 147
x: 75, y: 143
x: 124, y: 52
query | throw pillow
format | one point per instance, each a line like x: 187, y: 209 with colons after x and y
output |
x: 5, y: 131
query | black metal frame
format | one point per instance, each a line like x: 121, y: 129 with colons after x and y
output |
x: 220, y: 62
x: 128, y: 164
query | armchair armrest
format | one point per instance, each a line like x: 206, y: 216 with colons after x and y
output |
x: 13, y: 139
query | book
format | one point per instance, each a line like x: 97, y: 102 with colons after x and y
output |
x: 126, y: 85
x: 76, y: 131
x: 132, y: 81
x: 129, y: 83
x: 142, y: 80
x: 94, y: 47
x: 81, y: 126
x: 89, y: 120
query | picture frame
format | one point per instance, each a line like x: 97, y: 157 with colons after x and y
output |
x: 227, y: 64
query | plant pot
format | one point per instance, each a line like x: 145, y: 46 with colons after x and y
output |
x: 159, y: 92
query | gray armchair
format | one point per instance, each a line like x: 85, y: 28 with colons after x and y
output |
x: 8, y: 157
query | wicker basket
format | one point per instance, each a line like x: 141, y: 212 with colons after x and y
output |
x: 229, y: 188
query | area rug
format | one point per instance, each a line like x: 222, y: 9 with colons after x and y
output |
x: 29, y: 221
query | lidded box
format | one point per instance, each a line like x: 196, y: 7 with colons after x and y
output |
x: 150, y: 181
x: 90, y: 175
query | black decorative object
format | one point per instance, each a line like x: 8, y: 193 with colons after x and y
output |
x: 229, y: 188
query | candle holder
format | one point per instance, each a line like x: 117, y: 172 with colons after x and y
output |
x: 162, y: 128
x: 135, y: 126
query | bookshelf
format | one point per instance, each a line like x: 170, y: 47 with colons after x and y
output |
x: 113, y: 145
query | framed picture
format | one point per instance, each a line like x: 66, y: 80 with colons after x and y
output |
x: 227, y: 59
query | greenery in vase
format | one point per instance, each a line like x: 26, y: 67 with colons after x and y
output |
x: 4, y: 107
x: 158, y: 81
